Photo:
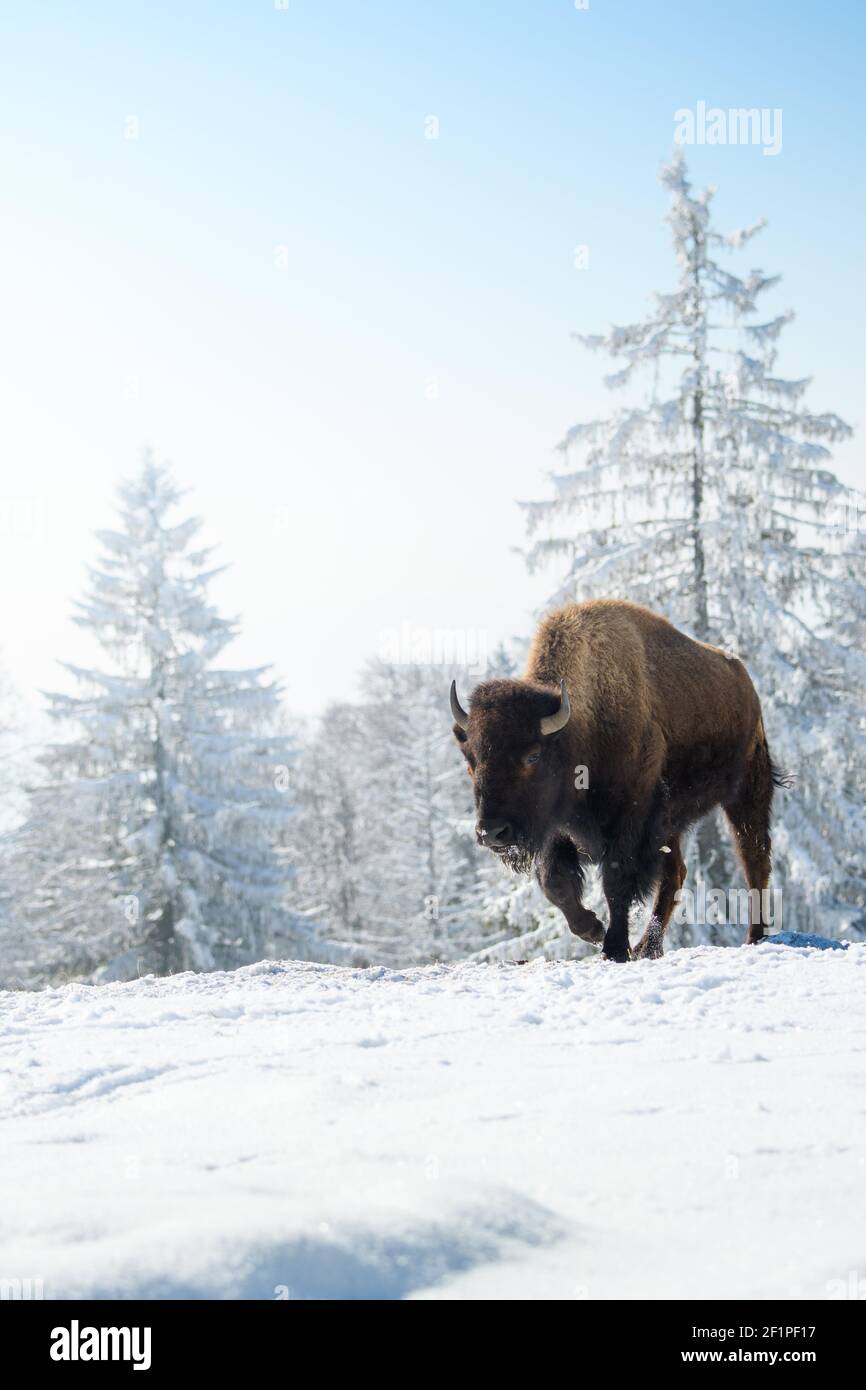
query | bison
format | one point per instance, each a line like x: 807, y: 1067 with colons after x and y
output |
x: 621, y: 735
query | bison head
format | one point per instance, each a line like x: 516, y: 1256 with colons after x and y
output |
x: 514, y: 758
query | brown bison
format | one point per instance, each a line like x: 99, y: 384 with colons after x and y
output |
x: 620, y: 736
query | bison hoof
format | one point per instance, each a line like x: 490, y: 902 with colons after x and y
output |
x: 648, y: 948
x: 588, y: 928
x: 616, y: 951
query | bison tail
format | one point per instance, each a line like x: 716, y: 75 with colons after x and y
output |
x: 780, y: 777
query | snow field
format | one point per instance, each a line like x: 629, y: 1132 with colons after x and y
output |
x: 694, y: 1127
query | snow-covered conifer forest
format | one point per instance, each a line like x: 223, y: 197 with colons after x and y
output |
x: 182, y: 818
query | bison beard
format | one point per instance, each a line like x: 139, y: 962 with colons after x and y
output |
x: 667, y: 728
x: 519, y: 859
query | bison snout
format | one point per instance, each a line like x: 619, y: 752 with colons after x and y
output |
x: 495, y: 834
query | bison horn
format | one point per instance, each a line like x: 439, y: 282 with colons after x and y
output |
x: 552, y: 723
x: 459, y: 713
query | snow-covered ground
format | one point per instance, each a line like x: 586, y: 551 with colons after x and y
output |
x: 689, y: 1127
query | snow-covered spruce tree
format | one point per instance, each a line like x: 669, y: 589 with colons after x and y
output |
x: 328, y: 835
x: 424, y: 853
x: 152, y: 842
x: 15, y: 971
x: 382, y: 805
x: 384, y: 841
x: 710, y: 498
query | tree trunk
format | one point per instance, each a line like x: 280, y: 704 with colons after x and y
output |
x: 166, y: 938
x: 702, y: 622
x: 706, y: 852
x: 702, y: 618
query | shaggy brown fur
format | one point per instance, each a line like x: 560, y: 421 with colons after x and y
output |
x: 666, y: 727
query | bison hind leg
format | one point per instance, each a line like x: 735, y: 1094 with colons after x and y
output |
x: 651, y: 944
x: 749, y: 818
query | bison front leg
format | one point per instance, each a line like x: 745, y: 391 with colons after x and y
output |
x: 620, y: 889
x: 560, y: 877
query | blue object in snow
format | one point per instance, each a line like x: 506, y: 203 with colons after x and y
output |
x: 806, y: 938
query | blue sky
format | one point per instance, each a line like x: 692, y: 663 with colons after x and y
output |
x: 352, y: 341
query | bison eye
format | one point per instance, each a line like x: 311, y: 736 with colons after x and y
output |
x: 532, y: 758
